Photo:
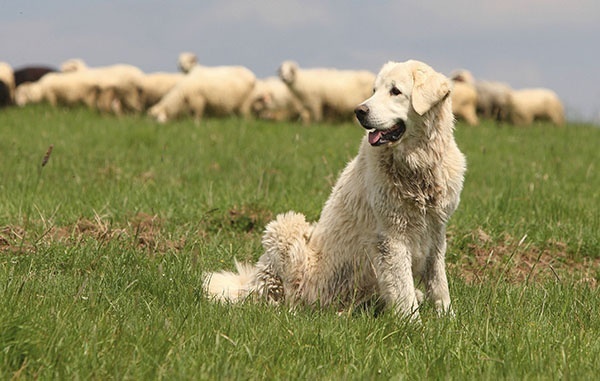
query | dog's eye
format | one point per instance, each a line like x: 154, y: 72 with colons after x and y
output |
x: 395, y: 91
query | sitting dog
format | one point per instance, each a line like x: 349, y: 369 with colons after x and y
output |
x: 381, y: 233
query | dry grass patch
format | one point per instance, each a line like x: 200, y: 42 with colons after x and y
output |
x: 141, y: 230
x: 483, y: 259
x: 518, y: 261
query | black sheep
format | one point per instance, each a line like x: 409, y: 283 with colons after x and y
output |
x: 31, y: 73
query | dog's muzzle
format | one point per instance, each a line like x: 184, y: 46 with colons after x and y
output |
x: 379, y: 137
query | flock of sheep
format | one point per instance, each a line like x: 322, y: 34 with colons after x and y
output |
x: 296, y: 94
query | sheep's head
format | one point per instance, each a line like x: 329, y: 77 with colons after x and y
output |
x: 187, y: 61
x: 462, y: 75
x: 28, y: 93
x: 287, y: 71
x: 71, y: 65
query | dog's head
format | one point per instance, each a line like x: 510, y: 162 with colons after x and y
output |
x: 402, y: 93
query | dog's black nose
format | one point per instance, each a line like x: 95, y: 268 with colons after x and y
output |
x: 361, y: 111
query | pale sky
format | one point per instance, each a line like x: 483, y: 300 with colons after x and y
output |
x: 526, y: 43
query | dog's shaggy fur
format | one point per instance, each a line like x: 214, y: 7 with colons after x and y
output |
x: 382, y: 230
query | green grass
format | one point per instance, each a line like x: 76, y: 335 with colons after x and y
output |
x: 102, y: 249
x: 541, y: 181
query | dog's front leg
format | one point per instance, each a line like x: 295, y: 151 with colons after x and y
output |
x: 395, y: 278
x: 436, y: 282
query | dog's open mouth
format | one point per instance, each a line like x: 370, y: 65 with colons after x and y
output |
x: 377, y: 137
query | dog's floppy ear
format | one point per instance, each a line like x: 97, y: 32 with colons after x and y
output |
x: 429, y: 88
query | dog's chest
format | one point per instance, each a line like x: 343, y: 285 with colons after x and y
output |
x: 401, y: 187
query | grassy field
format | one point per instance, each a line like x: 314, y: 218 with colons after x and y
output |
x: 102, y: 249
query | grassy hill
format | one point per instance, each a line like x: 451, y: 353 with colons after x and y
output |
x: 102, y: 249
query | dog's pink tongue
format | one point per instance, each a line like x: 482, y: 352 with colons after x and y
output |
x: 374, y: 136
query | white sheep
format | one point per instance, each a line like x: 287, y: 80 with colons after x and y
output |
x: 271, y: 99
x: 7, y: 79
x: 154, y: 86
x: 464, y: 102
x: 493, y: 97
x: 186, y: 62
x: 527, y: 105
x: 119, y: 84
x: 327, y: 92
x: 29, y: 92
x: 66, y: 89
x: 218, y: 91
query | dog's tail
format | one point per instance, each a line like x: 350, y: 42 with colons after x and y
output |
x: 230, y: 286
x: 278, y: 271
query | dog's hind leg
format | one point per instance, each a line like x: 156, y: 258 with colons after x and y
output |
x: 286, y: 251
x: 279, y: 271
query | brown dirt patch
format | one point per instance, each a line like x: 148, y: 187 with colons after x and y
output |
x: 517, y: 261
x: 141, y: 230
x: 483, y: 259
x: 13, y: 239
x: 245, y: 219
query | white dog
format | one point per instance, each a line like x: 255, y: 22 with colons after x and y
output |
x: 382, y: 230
